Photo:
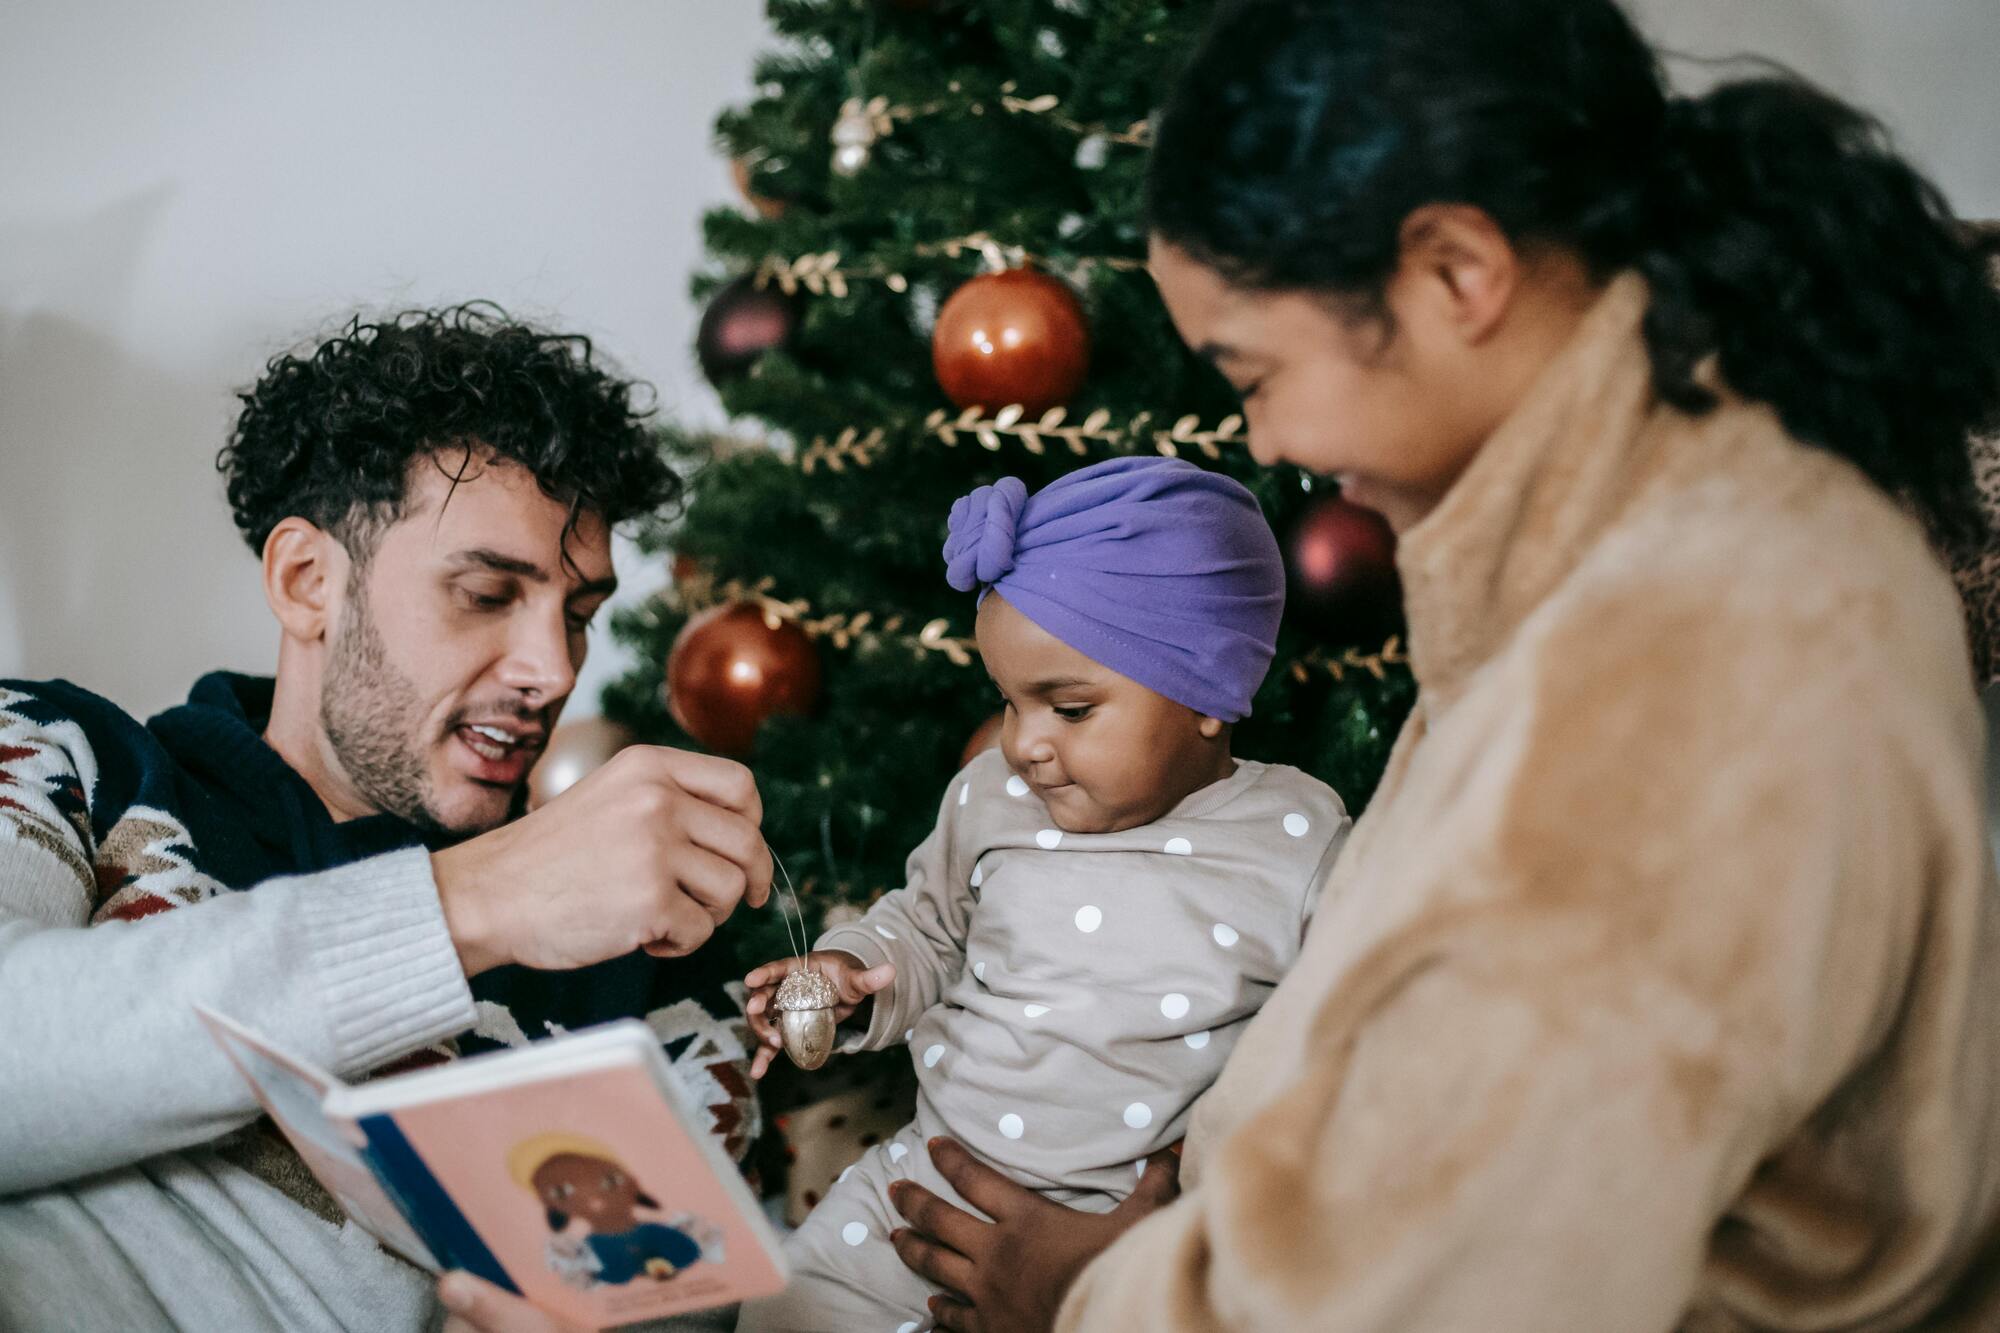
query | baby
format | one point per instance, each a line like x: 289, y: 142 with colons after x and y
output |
x: 1105, y: 901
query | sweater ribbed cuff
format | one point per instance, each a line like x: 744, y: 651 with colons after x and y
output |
x: 884, y: 1028
x: 375, y: 936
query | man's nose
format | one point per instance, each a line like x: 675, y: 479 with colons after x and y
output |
x: 539, y: 661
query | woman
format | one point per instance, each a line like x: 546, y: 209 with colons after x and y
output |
x: 1660, y: 986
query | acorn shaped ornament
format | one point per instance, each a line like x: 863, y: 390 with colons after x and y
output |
x: 805, y: 1017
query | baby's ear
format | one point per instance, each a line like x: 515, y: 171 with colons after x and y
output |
x: 1211, y: 727
x: 557, y: 1219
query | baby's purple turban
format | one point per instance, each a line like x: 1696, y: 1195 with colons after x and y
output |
x: 1153, y: 567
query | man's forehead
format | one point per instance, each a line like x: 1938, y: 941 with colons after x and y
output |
x: 496, y: 507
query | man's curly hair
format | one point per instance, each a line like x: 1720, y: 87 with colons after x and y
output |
x: 330, y: 434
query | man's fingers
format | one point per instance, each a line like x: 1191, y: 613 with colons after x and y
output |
x: 955, y: 1316
x: 932, y: 1261
x: 762, y: 1061
x: 480, y: 1306
x: 723, y: 782
x: 733, y: 838
x: 715, y: 882
x: 933, y: 1217
x: 979, y: 1184
x: 680, y: 926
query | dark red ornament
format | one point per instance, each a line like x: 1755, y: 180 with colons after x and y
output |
x: 735, y: 665
x: 984, y: 737
x: 743, y: 322
x: 1341, y: 563
x: 1013, y: 337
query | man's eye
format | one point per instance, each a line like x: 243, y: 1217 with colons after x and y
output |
x: 484, y: 601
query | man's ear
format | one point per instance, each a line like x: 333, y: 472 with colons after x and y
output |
x: 304, y: 571
x: 1460, y: 266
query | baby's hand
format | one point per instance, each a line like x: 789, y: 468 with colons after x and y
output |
x: 853, y: 982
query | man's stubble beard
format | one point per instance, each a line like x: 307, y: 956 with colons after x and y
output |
x: 371, y: 714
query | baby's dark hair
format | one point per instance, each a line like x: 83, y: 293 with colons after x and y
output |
x: 1775, y: 225
x: 330, y: 433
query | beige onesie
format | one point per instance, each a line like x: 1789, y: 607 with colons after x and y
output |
x: 1066, y: 997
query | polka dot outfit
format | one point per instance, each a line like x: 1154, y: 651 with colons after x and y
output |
x: 1065, y: 997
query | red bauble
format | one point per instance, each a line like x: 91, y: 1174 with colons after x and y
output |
x: 1341, y: 562
x: 575, y: 750
x: 743, y: 322
x: 733, y: 666
x: 984, y: 738
x: 1013, y: 337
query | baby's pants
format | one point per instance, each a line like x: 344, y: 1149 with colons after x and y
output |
x: 846, y: 1277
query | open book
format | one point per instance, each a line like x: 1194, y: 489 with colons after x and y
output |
x: 567, y: 1172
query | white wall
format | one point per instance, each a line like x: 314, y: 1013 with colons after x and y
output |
x: 185, y: 189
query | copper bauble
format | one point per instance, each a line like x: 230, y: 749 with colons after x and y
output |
x: 1341, y: 563
x: 735, y: 665
x: 984, y: 738
x: 1013, y: 337
x: 575, y: 750
x: 767, y: 207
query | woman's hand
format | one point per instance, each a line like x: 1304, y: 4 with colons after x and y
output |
x: 1009, y: 1275
x: 477, y: 1306
x: 853, y: 982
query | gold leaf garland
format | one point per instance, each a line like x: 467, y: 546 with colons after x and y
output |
x: 823, y: 274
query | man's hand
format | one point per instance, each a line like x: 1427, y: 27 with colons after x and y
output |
x: 652, y: 850
x: 853, y: 982
x: 1009, y: 1275
x: 477, y: 1306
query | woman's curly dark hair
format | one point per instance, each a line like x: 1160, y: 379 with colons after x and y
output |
x: 1778, y: 229
x: 329, y: 434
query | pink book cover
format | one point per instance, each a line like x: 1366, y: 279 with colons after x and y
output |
x: 565, y: 1171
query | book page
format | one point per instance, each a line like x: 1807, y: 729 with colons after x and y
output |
x: 293, y: 1094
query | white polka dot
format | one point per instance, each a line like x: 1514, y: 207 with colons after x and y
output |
x: 964, y: 792
x: 885, y: 932
x: 1196, y: 1040
x: 1224, y: 935
x: 909, y: 1033
x: 1049, y: 839
x: 979, y: 971
x: 1088, y: 918
x: 1034, y: 1010
x: 854, y: 1233
x: 910, y: 1327
x: 1297, y: 825
x: 1174, y: 1005
x: 1139, y: 1167
x: 978, y: 873
x: 1179, y: 847
x: 1011, y: 1126
x: 897, y: 1152
x: 933, y: 1054
x: 1138, y: 1115
x: 1016, y: 786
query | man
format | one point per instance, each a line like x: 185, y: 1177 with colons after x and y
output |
x: 328, y: 856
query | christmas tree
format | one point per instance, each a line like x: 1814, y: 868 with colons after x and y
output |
x: 939, y: 280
